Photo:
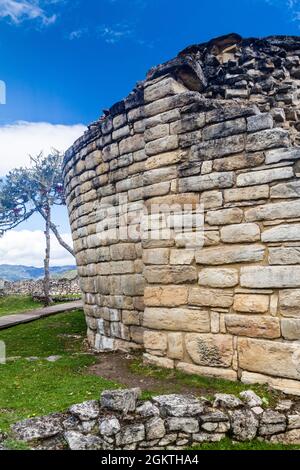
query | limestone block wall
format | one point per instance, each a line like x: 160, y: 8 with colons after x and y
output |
x: 212, y: 134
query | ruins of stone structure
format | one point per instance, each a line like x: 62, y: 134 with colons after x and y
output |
x: 121, y: 421
x: 35, y: 288
x: 218, y: 127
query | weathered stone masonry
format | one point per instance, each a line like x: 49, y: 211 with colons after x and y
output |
x: 121, y: 421
x: 218, y: 125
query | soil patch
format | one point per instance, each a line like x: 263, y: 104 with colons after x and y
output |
x: 117, y: 367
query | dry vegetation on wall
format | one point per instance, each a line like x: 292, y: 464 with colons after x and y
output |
x: 219, y: 126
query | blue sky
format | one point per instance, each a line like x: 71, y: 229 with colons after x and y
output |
x: 79, y: 56
x: 64, y: 61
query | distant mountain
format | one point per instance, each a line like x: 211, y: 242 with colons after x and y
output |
x: 10, y: 272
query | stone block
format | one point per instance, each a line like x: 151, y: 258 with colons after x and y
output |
x: 164, y: 144
x: 204, y: 297
x: 260, y: 122
x: 279, y: 210
x: 291, y: 437
x: 130, y: 435
x: 188, y: 123
x: 240, y: 233
x: 210, y: 350
x: 211, y: 199
x: 132, y: 144
x: 233, y: 111
x: 163, y: 118
x: 188, y: 139
x: 120, y: 400
x: 244, y: 425
x: 131, y: 317
x: 165, y: 296
x: 110, y: 152
x: 218, y: 277
x: 282, y: 154
x: 159, y: 189
x: 294, y: 421
x: 251, y: 303
x: 290, y: 387
x: 176, y: 319
x: 182, y: 257
x: 175, y: 346
x: 218, y: 148
x: 163, y: 160
x: 247, y: 194
x: 230, y: 254
x: 253, y: 326
x: 265, y: 277
x: 137, y: 334
x: 157, y: 132
x: 132, y: 285
x: 267, y: 139
x: 161, y: 362
x: 121, y: 133
x: 290, y: 329
x: 289, y: 302
x: 155, y: 340
x: 155, y: 428
x: 224, y: 129
x: 170, y: 274
x: 211, y: 238
x: 169, y: 103
x: 206, y: 182
x: 264, y: 176
x: 216, y: 372
x: 166, y: 87
x: 156, y: 256
x: 240, y: 161
x: 119, y: 121
x: 286, y: 190
x: 282, y: 233
x: 186, y: 425
x: 225, y: 216
x: 159, y: 175
x: 122, y: 251
x: 273, y: 358
x: 284, y: 255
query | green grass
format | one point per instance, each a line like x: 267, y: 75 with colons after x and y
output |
x: 227, y: 444
x: 29, y: 389
x: 206, y: 385
x: 16, y: 304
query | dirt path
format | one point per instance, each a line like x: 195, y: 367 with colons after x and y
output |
x: 117, y: 367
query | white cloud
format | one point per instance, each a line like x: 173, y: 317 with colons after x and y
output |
x: 115, y: 33
x: 77, y: 34
x: 19, y: 140
x: 27, y: 248
x: 291, y: 6
x: 18, y: 11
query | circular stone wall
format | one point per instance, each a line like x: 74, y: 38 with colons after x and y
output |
x: 184, y: 203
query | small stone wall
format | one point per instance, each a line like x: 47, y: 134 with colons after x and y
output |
x: 121, y: 421
x: 217, y: 127
x: 59, y: 288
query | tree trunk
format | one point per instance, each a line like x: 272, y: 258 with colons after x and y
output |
x: 56, y: 232
x: 60, y: 239
x: 48, y: 299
